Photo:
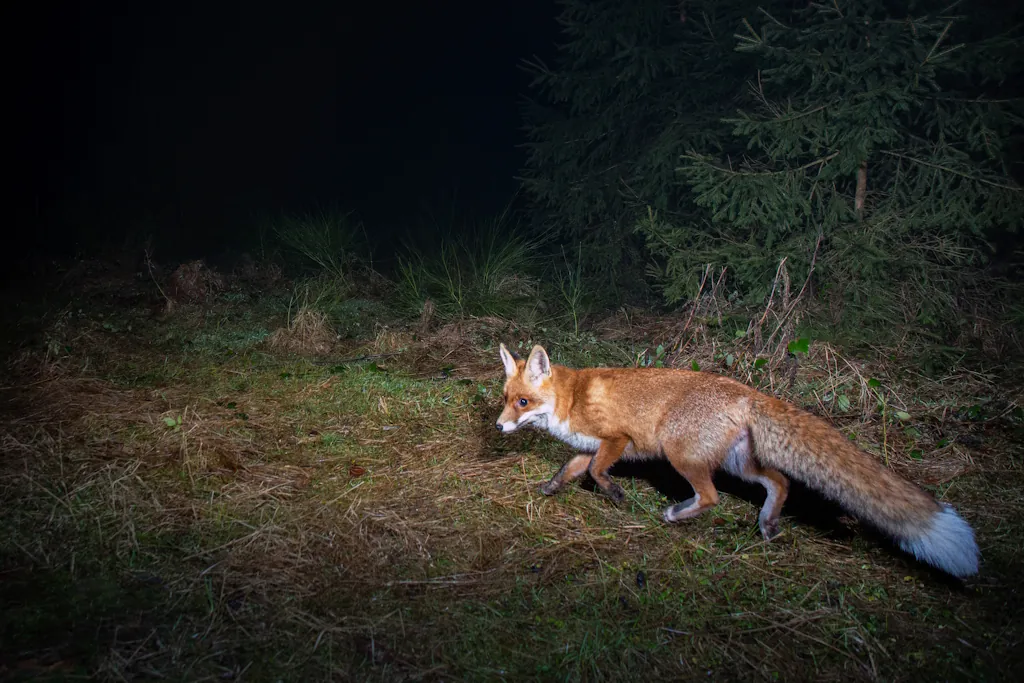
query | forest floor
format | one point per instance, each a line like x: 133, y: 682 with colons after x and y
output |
x: 185, y: 498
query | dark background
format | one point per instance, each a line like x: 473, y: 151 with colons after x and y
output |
x: 192, y: 116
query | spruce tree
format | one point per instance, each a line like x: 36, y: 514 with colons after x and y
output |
x: 879, y: 128
x: 637, y: 84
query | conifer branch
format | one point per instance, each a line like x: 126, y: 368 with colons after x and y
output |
x: 953, y: 171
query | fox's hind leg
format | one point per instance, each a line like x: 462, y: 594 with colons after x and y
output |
x: 704, y: 493
x: 571, y: 471
x: 777, y: 486
x: 740, y: 462
x: 696, y: 457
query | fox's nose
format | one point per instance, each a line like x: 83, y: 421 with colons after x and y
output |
x: 498, y: 425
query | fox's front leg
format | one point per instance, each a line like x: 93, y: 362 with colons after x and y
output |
x: 571, y: 471
x: 608, y: 452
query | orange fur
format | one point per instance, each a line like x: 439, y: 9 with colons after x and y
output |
x: 701, y: 422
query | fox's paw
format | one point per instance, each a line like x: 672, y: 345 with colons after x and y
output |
x: 615, y: 492
x: 667, y: 515
x: 688, y: 509
x: 769, y: 528
x: 550, y: 488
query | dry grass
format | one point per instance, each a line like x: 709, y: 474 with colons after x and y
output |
x: 245, y: 517
x: 193, y: 282
x: 259, y: 274
x: 308, y: 333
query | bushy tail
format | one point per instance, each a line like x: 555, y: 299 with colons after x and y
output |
x: 809, y: 450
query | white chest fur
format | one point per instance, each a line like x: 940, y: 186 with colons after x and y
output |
x: 560, y: 430
x: 585, y: 444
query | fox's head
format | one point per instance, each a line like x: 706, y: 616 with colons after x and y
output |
x: 529, y: 397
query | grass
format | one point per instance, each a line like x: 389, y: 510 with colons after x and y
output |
x: 329, y: 240
x: 487, y: 270
x: 182, y: 500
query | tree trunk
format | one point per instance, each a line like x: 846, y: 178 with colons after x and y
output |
x: 862, y: 190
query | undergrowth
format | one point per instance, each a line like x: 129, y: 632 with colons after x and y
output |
x: 328, y: 241
x: 488, y: 270
x: 184, y: 499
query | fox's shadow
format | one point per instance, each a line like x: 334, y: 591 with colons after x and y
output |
x: 803, y: 505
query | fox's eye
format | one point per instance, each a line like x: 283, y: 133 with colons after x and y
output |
x: 523, y: 402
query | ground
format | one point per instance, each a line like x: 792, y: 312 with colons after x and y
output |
x: 184, y: 499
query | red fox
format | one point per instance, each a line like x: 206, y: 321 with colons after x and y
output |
x: 702, y: 422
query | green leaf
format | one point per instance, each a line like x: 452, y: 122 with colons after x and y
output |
x: 170, y: 422
x: 695, y: 366
x: 843, y: 402
x: 874, y: 383
x: 801, y: 345
x: 916, y: 454
x: 902, y: 415
x: 729, y: 360
x: 760, y: 363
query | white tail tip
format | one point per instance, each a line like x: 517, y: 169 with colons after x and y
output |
x: 947, y: 544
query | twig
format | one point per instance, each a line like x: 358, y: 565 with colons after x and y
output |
x: 356, y: 359
x: 681, y: 342
x: 149, y: 267
x: 947, y: 169
x: 792, y: 305
x: 771, y: 296
x: 693, y: 309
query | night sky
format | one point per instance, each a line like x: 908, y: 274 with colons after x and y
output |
x: 201, y: 113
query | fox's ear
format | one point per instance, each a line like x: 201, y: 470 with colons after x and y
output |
x: 538, y: 366
x: 508, y: 361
